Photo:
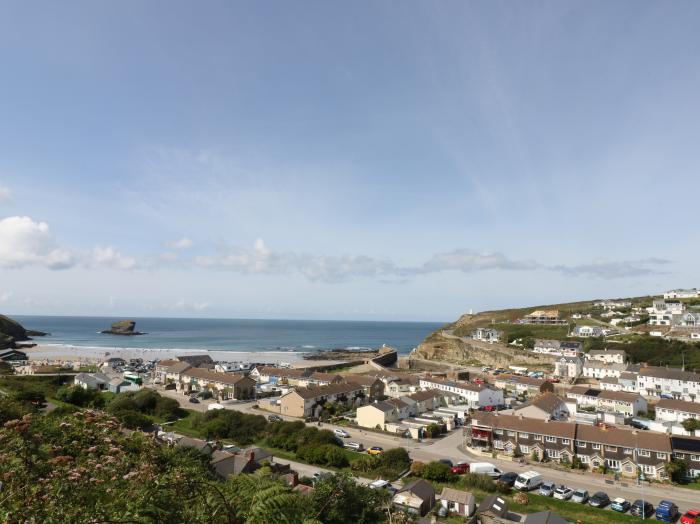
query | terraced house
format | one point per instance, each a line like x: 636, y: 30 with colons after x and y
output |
x: 609, y: 401
x: 226, y: 386
x: 673, y: 383
x: 627, y: 452
x: 475, y: 395
x: 308, y: 402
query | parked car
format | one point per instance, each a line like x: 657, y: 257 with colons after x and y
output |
x: 460, y: 468
x: 355, y: 446
x: 666, y: 511
x: 508, y: 479
x: 599, y: 499
x: 341, y: 433
x: 619, y: 504
x: 563, y: 493
x: 638, y: 425
x: 580, y: 496
x: 528, y: 481
x: 641, y: 508
x: 478, y: 381
x: 485, y: 468
x: 320, y: 475
x: 447, y: 462
x: 194, y: 400
x: 692, y: 516
x: 274, y: 418
x: 375, y: 450
x: 547, y: 489
x: 382, y: 484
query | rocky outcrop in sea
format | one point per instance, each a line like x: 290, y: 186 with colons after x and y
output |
x: 123, y: 327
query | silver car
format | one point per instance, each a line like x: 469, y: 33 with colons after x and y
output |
x: 547, y: 489
x: 563, y: 493
x: 580, y: 496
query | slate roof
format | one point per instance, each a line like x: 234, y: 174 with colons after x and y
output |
x: 544, y: 517
x: 420, y: 396
x: 215, y: 376
x: 422, y: 489
x: 179, y: 367
x: 547, y: 402
x: 331, y: 389
x: 456, y: 495
x: 669, y: 373
x: 679, y: 405
x: 195, y: 360
x: 383, y: 406
x: 494, y: 504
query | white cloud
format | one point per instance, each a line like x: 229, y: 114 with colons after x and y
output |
x: 5, y: 296
x: 24, y: 242
x: 182, y: 243
x: 111, y: 258
x: 4, y: 194
x: 616, y: 269
x: 467, y: 261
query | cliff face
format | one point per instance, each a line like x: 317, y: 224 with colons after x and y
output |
x: 12, y: 331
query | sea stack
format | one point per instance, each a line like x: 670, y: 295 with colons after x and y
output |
x: 123, y: 327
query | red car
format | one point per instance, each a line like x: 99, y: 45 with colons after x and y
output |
x: 691, y: 517
x: 478, y: 381
x: 460, y: 468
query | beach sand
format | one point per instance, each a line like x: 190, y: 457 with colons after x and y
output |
x: 67, y: 353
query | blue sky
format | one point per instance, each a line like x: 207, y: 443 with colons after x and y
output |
x: 385, y: 160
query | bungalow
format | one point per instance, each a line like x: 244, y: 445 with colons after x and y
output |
x: 672, y: 410
x: 114, y: 362
x: 226, y: 386
x: 226, y: 464
x: 487, y: 335
x: 98, y: 381
x: 458, y: 501
x: 417, y: 497
x: 546, y: 406
x: 609, y: 356
x: 377, y: 414
x: 476, y: 395
x: 13, y: 356
x: 121, y: 385
x: 682, y: 293
x: 613, y: 304
x: 690, y: 319
x: 587, y: 331
x: 308, y: 402
x: 609, y: 401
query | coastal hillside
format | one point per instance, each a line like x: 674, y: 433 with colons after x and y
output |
x: 454, y: 343
x: 12, y: 332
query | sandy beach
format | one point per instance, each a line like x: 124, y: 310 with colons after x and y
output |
x: 86, y: 354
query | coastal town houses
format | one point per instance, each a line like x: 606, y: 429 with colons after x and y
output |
x: 665, y: 312
x: 613, y: 304
x: 671, y: 410
x: 281, y: 376
x: 600, y: 370
x: 225, y: 386
x: 13, y: 356
x: 372, y: 386
x: 557, y: 348
x: 422, y: 401
x: 97, y: 381
x: 668, y: 382
x: 682, y: 293
x: 687, y: 449
x: 417, y: 497
x: 308, y: 402
x: 520, y: 386
x: 690, y: 319
x: 630, y: 404
x: 568, y: 367
x: 318, y: 378
x: 627, y: 381
x: 474, y: 395
x: 609, y: 356
x: 197, y: 361
x: 377, y: 415
x: 487, y: 335
x: 542, y: 316
x: 618, y: 449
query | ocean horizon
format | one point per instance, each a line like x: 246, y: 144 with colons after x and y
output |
x: 234, y: 335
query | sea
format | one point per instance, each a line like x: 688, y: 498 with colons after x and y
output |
x: 242, y: 335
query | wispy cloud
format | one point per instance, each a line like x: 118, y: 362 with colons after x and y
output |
x: 4, y: 194
x: 181, y: 243
x: 616, y: 269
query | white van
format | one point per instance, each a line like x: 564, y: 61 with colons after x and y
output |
x: 528, y: 481
x: 485, y: 468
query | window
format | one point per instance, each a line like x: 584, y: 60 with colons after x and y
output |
x: 538, y: 437
x: 661, y: 456
x: 525, y: 449
x: 550, y: 439
x: 498, y: 444
x: 595, y: 446
x: 524, y: 435
x: 610, y: 448
x: 553, y: 453
x: 651, y: 470
x: 628, y: 451
x: 511, y: 433
x: 584, y: 458
x: 498, y: 432
x: 565, y: 441
x: 580, y: 444
x: 644, y: 453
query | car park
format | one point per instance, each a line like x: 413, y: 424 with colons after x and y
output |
x: 341, y: 433
x: 641, y: 508
x: 547, y: 489
x: 692, y: 516
x: 274, y: 418
x: 580, y: 496
x: 508, y: 479
x: 666, y: 511
x: 460, y: 468
x: 355, y: 446
x: 599, y: 499
x: 375, y: 450
x: 620, y: 505
x: 563, y: 493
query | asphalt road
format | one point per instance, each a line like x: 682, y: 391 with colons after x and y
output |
x: 449, y: 446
